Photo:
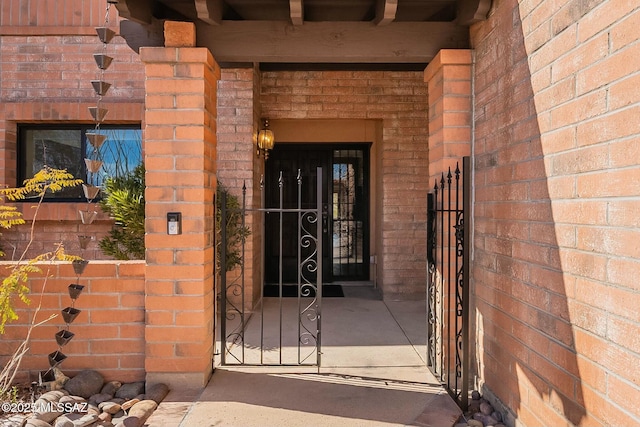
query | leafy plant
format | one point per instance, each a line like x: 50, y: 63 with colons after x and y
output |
x: 124, y: 202
x: 14, y: 285
x: 236, y: 231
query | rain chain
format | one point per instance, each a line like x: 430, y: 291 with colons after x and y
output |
x: 91, y: 190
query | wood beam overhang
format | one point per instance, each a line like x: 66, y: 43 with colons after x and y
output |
x: 327, y: 42
x: 136, y: 10
x: 385, y: 11
x: 209, y: 11
x: 296, y: 10
x: 471, y: 11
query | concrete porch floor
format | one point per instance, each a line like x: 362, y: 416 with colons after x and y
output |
x: 373, y: 374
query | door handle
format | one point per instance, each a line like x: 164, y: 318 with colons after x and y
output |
x: 325, y: 218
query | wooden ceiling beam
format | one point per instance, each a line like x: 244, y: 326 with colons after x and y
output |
x: 136, y: 10
x: 472, y: 11
x: 296, y: 10
x: 209, y: 11
x: 330, y: 42
x: 385, y: 11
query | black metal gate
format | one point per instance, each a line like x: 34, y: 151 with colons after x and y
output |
x: 448, y: 240
x: 284, y: 328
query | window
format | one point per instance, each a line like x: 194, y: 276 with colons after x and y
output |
x: 66, y: 147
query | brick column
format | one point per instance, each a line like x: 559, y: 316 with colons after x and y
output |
x: 180, y: 150
x: 449, y: 92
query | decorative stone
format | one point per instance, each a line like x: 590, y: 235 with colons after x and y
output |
x: 73, y: 400
x: 488, y: 420
x: 85, y: 384
x: 129, y: 403
x: 486, y: 408
x: 35, y: 422
x: 111, y: 388
x: 105, y: 417
x: 47, y: 417
x: 475, y: 423
x: 109, y: 407
x: 157, y: 392
x: 130, y: 421
x: 93, y: 409
x: 143, y: 410
x: 53, y: 396
x: 497, y: 415
x: 76, y: 420
x: 130, y: 390
x: 100, y: 397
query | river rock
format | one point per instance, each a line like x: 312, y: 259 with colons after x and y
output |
x: 143, y: 410
x: 53, y: 396
x: 110, y: 407
x: 35, y: 422
x: 45, y: 402
x: 105, y: 417
x: 129, y: 403
x: 111, y: 388
x: 489, y: 421
x: 157, y: 392
x: 76, y: 420
x: 85, y: 384
x: 130, y: 390
x: 475, y: 423
x: 100, y: 397
x: 130, y: 421
x: 486, y: 408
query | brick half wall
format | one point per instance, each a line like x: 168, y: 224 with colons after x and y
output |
x: 109, y: 331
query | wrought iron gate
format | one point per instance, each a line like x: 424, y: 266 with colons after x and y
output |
x: 266, y: 333
x: 448, y: 240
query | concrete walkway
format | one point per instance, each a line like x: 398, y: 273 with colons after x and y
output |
x: 373, y: 374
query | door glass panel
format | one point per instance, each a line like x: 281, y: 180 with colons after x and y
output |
x: 349, y: 212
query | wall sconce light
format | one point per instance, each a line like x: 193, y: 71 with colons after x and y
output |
x: 265, y: 140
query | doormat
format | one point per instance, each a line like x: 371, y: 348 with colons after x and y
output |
x: 291, y: 291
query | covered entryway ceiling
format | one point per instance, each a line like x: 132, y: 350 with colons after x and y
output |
x: 311, y: 31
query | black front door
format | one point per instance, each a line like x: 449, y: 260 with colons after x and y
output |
x: 345, y: 208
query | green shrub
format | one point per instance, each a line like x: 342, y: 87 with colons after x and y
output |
x: 124, y: 201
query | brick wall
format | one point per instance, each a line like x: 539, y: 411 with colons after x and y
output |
x: 51, y: 16
x: 238, y: 166
x: 399, y: 101
x: 556, y: 225
x: 109, y: 331
x: 46, y: 63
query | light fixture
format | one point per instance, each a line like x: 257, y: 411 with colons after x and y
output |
x: 265, y: 140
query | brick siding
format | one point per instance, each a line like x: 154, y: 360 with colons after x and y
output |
x: 46, y: 63
x: 556, y: 188
x: 399, y: 100
x: 109, y: 331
